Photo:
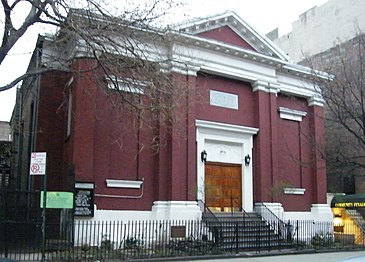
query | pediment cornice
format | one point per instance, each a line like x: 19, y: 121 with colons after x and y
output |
x: 259, y: 42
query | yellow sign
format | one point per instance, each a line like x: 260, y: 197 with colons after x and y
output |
x: 350, y: 204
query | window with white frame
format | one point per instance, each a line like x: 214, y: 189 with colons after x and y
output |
x: 128, y: 85
x: 291, y: 114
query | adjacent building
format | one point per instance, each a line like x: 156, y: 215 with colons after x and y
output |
x: 321, y: 28
x: 5, y: 154
x: 331, y: 36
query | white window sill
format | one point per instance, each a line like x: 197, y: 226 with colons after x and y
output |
x: 123, y: 183
x: 293, y: 191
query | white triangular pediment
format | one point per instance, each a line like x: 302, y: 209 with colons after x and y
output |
x: 259, y: 42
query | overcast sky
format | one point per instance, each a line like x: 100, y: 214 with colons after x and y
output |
x: 263, y: 15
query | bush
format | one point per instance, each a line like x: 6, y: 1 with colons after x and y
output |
x: 133, y: 243
x: 106, y: 243
x: 322, y: 240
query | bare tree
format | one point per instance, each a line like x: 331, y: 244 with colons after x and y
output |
x: 129, y: 59
x: 56, y: 12
x: 344, y: 110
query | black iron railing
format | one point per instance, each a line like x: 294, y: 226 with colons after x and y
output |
x: 235, y: 204
x: 100, y: 240
x: 284, y: 230
x: 4, y: 177
x: 214, y: 225
x: 207, y: 213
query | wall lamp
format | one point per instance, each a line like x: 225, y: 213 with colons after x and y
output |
x: 203, y: 156
x: 247, y: 160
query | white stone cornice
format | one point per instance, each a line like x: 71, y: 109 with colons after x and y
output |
x: 226, y: 127
x: 228, y: 72
x: 225, y: 48
x: 316, y: 100
x: 180, y: 67
x: 305, y: 72
x: 267, y: 87
x: 291, y: 114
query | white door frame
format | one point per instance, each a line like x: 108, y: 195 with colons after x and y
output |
x: 226, y: 143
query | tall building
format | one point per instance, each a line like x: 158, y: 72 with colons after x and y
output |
x: 5, y: 131
x: 321, y: 28
x: 5, y: 154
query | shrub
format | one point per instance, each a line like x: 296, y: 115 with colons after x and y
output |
x: 322, y: 239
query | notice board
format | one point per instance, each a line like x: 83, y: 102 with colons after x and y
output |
x: 58, y: 199
x: 84, y: 199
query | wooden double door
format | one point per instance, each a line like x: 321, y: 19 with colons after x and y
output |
x: 223, y: 186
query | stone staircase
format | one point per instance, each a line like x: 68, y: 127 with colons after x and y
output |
x: 360, y: 222
x: 242, y: 232
x: 357, y: 218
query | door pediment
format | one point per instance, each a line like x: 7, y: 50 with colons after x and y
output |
x: 224, y: 152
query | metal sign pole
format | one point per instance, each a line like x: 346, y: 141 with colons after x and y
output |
x: 38, y: 166
x: 44, y: 218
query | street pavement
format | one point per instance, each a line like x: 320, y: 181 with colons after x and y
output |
x: 315, y: 257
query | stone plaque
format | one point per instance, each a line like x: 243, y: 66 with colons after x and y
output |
x: 178, y: 231
x: 223, y: 99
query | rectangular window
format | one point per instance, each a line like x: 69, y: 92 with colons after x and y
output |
x: 128, y: 85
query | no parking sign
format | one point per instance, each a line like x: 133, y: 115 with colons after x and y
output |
x: 38, y: 163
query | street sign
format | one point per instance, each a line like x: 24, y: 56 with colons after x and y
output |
x: 37, y: 163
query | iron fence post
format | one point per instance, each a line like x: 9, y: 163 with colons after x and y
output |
x: 236, y: 229
x: 6, y: 248
x: 297, y: 238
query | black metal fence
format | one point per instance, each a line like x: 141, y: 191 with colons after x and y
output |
x: 21, y: 224
x: 102, y: 240
x: 4, y: 177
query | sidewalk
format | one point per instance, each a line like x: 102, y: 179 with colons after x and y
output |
x: 314, y: 257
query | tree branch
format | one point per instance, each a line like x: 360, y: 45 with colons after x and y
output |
x: 24, y: 77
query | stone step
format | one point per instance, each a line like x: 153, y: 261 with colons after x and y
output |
x: 244, y: 231
x: 233, y: 217
x: 236, y: 214
x: 257, y: 246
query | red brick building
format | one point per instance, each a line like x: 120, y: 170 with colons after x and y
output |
x: 250, y: 132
